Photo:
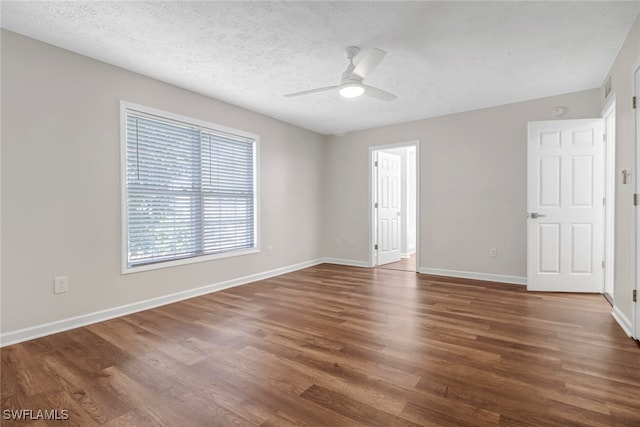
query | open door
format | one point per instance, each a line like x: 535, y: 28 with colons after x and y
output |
x: 388, y: 204
x: 565, y: 190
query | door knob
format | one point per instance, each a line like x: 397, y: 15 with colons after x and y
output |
x: 534, y: 215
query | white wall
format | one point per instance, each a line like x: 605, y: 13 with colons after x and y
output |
x: 61, y: 186
x: 622, y: 87
x: 473, y: 184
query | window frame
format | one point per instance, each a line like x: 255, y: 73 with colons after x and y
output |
x: 124, y: 225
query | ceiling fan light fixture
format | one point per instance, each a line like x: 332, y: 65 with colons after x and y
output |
x: 351, y: 84
x: 351, y: 90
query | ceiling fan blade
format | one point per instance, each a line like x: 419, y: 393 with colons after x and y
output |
x: 310, y: 91
x: 374, y: 92
x: 369, y: 61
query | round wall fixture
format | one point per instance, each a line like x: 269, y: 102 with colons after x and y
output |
x: 559, y: 111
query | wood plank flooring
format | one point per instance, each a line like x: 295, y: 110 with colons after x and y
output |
x: 339, y: 346
x: 405, y: 264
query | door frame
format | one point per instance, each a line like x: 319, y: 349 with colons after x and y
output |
x: 610, y: 198
x: 372, y: 188
x: 635, y: 311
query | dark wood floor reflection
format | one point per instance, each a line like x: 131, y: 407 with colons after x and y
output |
x: 339, y: 346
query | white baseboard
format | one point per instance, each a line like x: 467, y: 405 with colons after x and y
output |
x: 512, y: 280
x: 347, y: 262
x: 38, y: 331
x: 622, y: 320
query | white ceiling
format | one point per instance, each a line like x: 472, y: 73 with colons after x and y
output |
x: 443, y: 57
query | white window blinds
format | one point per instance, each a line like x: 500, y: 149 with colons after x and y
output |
x: 190, y: 191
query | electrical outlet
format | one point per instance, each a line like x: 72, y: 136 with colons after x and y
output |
x: 269, y: 250
x: 493, y: 252
x: 60, y: 285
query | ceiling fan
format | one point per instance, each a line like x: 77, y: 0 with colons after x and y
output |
x: 351, y: 85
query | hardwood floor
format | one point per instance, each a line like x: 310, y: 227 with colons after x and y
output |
x: 339, y: 346
x: 405, y: 264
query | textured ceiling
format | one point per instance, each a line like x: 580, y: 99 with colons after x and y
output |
x: 443, y: 57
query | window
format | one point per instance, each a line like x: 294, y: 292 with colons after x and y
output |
x: 190, y: 190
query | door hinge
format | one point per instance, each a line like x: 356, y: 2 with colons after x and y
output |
x: 633, y: 102
x: 635, y: 295
x: 604, y: 201
x: 635, y: 199
x: 375, y: 246
x: 376, y: 164
x: 602, y: 263
x: 376, y: 205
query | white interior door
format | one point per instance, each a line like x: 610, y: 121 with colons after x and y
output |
x: 388, y: 199
x: 565, y: 188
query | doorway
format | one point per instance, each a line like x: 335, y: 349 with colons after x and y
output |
x: 394, y: 206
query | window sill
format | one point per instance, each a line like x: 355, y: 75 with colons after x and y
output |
x: 204, y: 258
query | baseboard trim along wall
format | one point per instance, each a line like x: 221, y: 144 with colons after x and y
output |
x: 511, y: 280
x: 347, y: 262
x: 38, y: 331
x: 622, y: 320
